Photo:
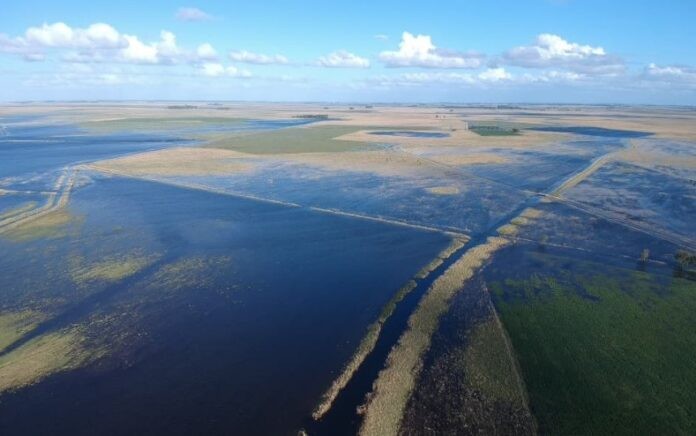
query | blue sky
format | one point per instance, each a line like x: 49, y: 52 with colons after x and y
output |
x: 565, y: 51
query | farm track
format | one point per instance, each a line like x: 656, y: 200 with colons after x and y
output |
x: 57, y: 199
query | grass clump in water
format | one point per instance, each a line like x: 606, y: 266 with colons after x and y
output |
x: 111, y: 269
x: 15, y: 324
x: 48, y: 354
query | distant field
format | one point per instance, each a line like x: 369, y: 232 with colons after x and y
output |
x: 603, y: 350
x: 294, y: 140
x: 493, y: 130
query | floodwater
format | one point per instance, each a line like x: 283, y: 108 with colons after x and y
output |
x: 246, y: 313
x: 594, y: 131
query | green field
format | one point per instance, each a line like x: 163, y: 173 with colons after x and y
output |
x: 603, y: 350
x: 493, y: 130
x: 293, y: 140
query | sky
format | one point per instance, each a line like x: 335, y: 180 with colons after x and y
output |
x: 521, y: 51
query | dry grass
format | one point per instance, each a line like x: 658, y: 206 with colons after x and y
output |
x: 387, y: 402
x: 392, y: 388
x: 179, y: 161
x: 457, y: 243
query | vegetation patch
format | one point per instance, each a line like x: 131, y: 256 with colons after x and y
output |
x: 22, y: 208
x: 443, y: 190
x: 54, y: 224
x: 489, y: 365
x: 311, y: 139
x: 48, y: 354
x: 603, y: 353
x: 179, y: 161
x: 485, y: 129
x: 110, y: 270
x: 14, y: 325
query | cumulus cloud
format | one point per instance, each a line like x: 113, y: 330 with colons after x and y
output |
x: 100, y: 42
x: 488, y: 76
x: 552, y: 51
x: 419, y: 51
x: 257, y: 58
x: 670, y: 75
x: 343, y: 59
x: 206, y: 52
x: 192, y: 14
x: 100, y: 35
x: 213, y: 69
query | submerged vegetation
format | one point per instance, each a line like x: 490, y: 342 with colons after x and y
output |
x: 110, y: 269
x: 45, y: 355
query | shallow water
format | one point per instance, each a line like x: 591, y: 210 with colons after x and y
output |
x: 247, y: 346
x: 594, y: 131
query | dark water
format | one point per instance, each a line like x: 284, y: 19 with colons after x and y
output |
x: 595, y: 131
x: 31, y: 149
x: 641, y: 196
x: 245, y: 346
x: 410, y: 134
x: 478, y: 203
x: 28, y: 150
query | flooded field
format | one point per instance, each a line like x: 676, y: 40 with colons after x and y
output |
x: 307, y: 270
x: 213, y: 310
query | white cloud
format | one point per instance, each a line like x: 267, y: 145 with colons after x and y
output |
x: 212, y: 69
x: 100, y: 42
x: 256, y: 58
x: 494, y: 75
x: 343, y: 59
x: 192, y: 14
x: 552, y: 51
x: 491, y: 75
x: 419, y: 51
x: 206, y: 52
x: 382, y: 37
x: 60, y: 35
x: 670, y: 75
